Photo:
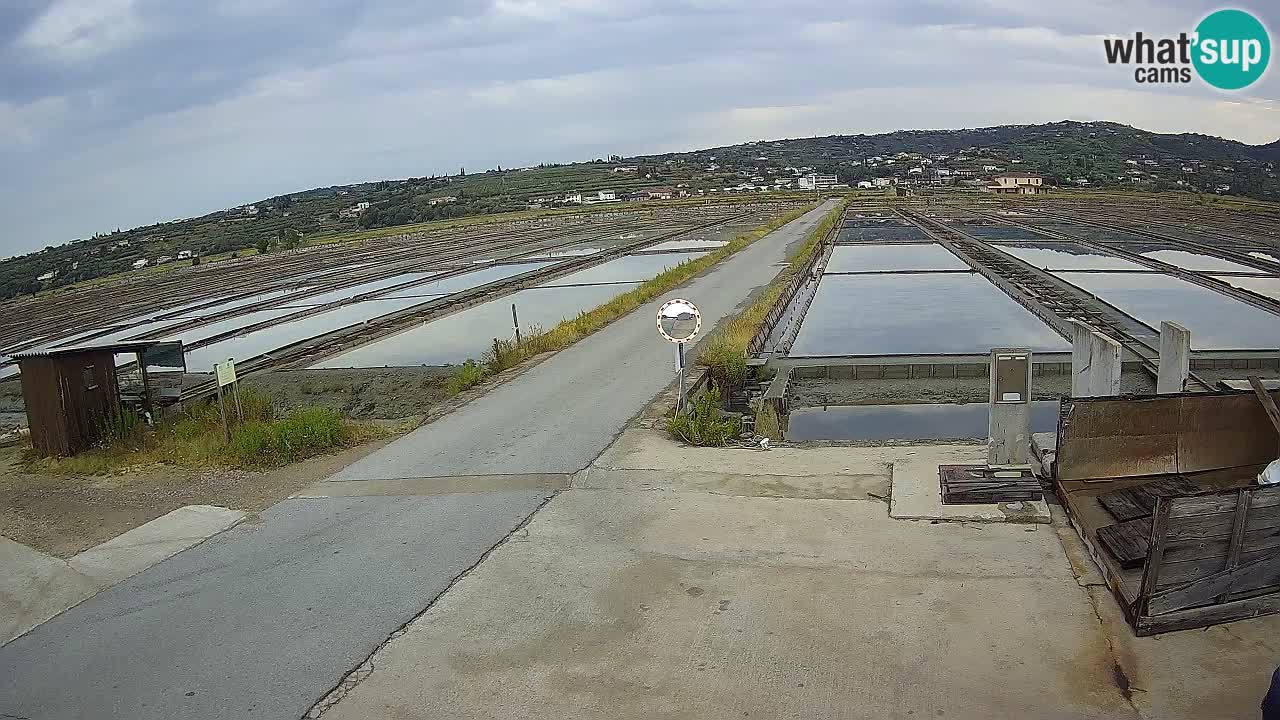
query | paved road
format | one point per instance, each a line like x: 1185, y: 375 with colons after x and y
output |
x: 263, y: 620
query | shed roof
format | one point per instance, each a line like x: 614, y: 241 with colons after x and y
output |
x: 120, y: 347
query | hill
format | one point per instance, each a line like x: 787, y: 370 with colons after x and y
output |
x: 1096, y: 154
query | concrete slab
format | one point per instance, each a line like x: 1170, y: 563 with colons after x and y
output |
x: 35, y: 587
x: 917, y: 496
x: 640, y: 605
x: 132, y: 552
x: 862, y: 486
x: 687, y: 590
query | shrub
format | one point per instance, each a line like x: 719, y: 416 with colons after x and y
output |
x: 767, y: 422
x: 468, y: 375
x: 705, y: 423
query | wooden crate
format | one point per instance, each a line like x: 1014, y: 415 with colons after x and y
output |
x: 1210, y: 556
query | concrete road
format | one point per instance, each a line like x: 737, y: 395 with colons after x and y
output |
x: 563, y: 413
x: 730, y: 584
x: 264, y: 620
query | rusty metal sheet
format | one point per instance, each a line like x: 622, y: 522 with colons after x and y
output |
x: 1108, y: 438
x: 1101, y: 438
x: 1221, y: 431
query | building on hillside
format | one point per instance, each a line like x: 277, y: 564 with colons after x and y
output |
x: 600, y: 196
x: 882, y: 182
x: 814, y: 181
x: 354, y: 210
x: 865, y: 184
x: 1017, y: 183
x: 442, y: 200
x: 139, y: 264
x: 185, y: 254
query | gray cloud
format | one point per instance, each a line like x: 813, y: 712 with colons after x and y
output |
x: 115, y: 113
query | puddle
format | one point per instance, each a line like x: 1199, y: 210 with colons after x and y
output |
x: 197, y: 334
x: 628, y: 268
x: 186, y: 313
x: 1197, y: 261
x: 687, y: 245
x: 999, y: 232
x: 917, y: 314
x: 333, y: 296
x: 468, y: 334
x: 466, y: 281
x: 885, y: 231
x: 906, y: 422
x: 870, y: 258
x: 1216, y: 322
x: 267, y: 339
x: 1068, y: 256
x: 1265, y: 286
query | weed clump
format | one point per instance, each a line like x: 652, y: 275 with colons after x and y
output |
x: 705, y: 424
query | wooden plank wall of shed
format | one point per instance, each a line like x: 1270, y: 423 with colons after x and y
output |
x: 42, y: 395
x: 87, y: 410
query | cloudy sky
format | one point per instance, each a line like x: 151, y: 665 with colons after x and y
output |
x: 115, y: 113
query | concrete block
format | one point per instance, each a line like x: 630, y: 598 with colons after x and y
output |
x: 1175, y: 358
x: 1095, y: 363
x: 1009, y: 433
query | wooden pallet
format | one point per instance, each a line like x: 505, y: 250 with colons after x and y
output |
x: 1128, y: 542
x: 976, y: 484
x: 1139, y: 501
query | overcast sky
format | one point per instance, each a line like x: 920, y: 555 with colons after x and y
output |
x: 116, y: 113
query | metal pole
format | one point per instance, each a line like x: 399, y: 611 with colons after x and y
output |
x: 515, y: 320
x: 680, y: 374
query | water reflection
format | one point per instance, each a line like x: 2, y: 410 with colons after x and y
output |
x: 1216, y: 322
x: 868, y: 258
x: 1068, y: 256
x: 906, y: 422
x: 467, y: 334
x: 1197, y: 261
x: 917, y: 314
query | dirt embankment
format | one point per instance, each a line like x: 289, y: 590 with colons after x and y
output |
x: 364, y: 394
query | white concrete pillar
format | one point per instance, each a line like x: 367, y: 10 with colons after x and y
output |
x: 1009, y: 431
x: 1095, y: 363
x: 1175, y: 358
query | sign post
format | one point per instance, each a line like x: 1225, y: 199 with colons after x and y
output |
x: 679, y: 322
x: 226, y: 374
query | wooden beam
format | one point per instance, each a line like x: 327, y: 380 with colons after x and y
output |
x: 1268, y: 403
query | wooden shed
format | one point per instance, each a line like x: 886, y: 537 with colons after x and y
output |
x: 71, y: 394
x: 1162, y: 490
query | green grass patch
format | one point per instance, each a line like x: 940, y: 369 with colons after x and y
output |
x: 705, y: 424
x: 508, y: 353
x: 725, y: 352
x: 194, y: 438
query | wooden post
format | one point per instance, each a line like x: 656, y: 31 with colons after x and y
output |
x: 235, y: 391
x: 515, y: 321
x: 222, y: 410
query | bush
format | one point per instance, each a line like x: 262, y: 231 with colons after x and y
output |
x: 705, y: 423
x: 468, y: 375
